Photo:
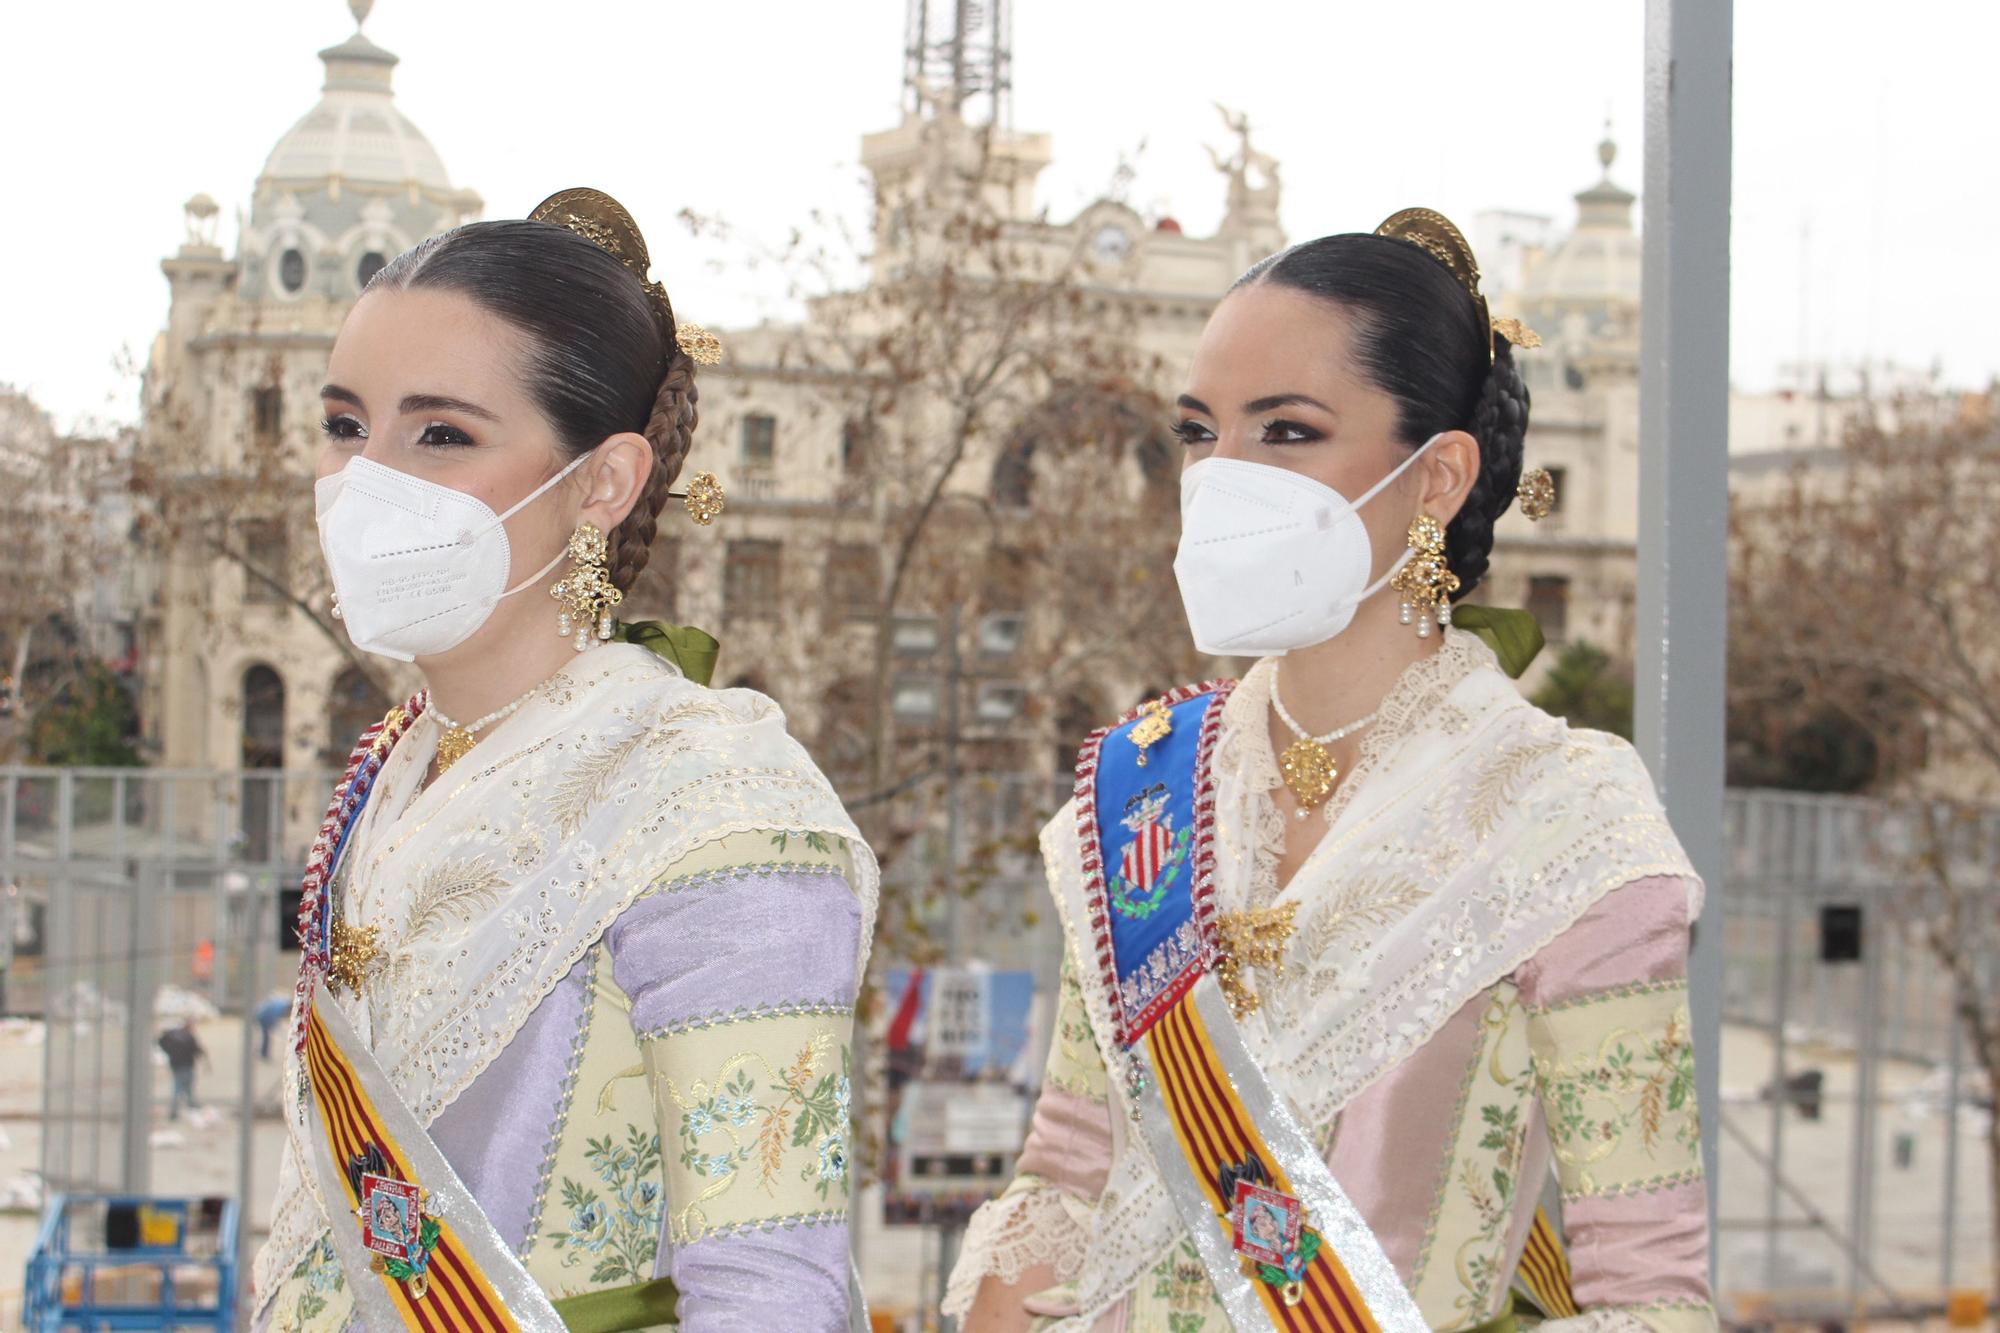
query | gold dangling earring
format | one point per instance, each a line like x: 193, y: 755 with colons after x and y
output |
x: 1425, y: 580
x: 587, y: 593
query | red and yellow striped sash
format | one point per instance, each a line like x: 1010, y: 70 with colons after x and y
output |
x: 1215, y: 1129
x: 459, y: 1296
x: 1544, y: 1269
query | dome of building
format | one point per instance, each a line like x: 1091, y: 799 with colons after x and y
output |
x: 355, y: 134
x: 1600, y: 261
x: 350, y: 186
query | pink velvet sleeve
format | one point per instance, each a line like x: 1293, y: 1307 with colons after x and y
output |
x: 1607, y: 1004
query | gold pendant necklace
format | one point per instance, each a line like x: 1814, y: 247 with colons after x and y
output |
x: 1307, y: 765
x: 459, y: 737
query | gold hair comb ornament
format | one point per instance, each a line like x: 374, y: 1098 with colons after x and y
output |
x: 603, y: 221
x: 1433, y: 233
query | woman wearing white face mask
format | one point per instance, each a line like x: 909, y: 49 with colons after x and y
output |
x: 578, y: 931
x: 1383, y: 967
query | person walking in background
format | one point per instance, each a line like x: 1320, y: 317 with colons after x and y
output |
x: 269, y: 1014
x: 183, y: 1049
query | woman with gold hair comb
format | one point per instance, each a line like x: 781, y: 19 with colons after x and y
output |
x: 1374, y: 1010
x: 581, y: 935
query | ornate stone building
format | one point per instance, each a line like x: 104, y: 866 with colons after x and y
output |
x: 235, y: 673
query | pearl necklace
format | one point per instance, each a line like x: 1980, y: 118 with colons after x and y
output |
x: 1307, y: 765
x: 459, y: 738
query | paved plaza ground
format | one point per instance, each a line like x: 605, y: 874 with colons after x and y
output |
x: 200, y: 1156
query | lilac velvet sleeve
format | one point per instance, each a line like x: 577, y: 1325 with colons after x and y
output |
x: 725, y: 960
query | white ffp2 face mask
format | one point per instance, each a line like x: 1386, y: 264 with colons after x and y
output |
x: 1271, y: 561
x: 418, y: 567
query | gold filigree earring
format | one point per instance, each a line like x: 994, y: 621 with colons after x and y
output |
x: 587, y: 593
x: 1425, y: 580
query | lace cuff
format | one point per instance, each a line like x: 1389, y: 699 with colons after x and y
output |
x: 1032, y: 1223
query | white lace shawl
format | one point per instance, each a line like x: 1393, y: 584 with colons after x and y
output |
x: 490, y: 884
x: 1474, y: 829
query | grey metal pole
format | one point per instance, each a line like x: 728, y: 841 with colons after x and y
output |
x: 1780, y: 1094
x: 954, y: 830
x: 142, y: 967
x: 1868, y: 1042
x: 246, y: 1115
x: 1957, y: 1059
x: 1684, y: 473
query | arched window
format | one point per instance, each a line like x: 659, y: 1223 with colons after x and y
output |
x: 353, y: 705
x: 370, y: 264
x: 263, y: 748
x: 263, y: 718
x: 844, y: 733
x: 292, y: 270
x: 1073, y: 419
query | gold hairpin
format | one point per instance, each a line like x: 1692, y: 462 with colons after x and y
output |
x: 604, y: 222
x: 1514, y: 331
x: 702, y: 347
x: 703, y: 496
x: 1537, y: 494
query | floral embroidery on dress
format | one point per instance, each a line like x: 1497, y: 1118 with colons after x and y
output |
x: 1181, y: 1285
x: 1489, y: 1177
x: 319, y: 1276
x: 618, y: 1231
x: 743, y: 1126
x: 1638, y: 1082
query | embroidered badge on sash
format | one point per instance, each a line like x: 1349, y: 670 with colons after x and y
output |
x: 1153, y: 860
x: 393, y: 1222
x: 1271, y: 1232
x: 1270, y: 1228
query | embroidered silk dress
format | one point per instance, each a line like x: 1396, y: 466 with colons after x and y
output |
x: 635, y: 1080
x: 1454, y: 1026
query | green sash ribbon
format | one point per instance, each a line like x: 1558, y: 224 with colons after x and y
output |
x: 692, y: 650
x: 1512, y: 634
x: 622, y: 1309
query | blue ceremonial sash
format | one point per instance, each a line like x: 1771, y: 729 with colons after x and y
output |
x: 1145, y: 814
x: 1283, y: 1245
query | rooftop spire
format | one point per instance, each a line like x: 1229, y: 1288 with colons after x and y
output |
x: 958, y: 51
x: 360, y: 9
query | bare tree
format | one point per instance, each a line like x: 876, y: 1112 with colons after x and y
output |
x: 1861, y: 592
x: 1004, y: 456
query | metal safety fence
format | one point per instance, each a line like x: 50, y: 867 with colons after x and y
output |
x: 1853, y: 1116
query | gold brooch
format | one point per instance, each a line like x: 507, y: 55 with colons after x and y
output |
x: 1251, y: 939
x: 354, y: 951
x: 1154, y: 725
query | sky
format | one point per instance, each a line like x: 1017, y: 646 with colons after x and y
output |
x: 1864, y: 176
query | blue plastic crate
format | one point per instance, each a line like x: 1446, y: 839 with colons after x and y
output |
x: 121, y: 1261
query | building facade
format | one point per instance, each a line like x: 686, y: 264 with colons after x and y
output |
x: 242, y: 666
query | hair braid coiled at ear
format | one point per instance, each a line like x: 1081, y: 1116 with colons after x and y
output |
x: 670, y: 430
x: 1500, y: 423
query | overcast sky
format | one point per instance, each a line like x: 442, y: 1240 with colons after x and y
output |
x: 1867, y: 127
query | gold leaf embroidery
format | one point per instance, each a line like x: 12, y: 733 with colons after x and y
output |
x: 1368, y: 901
x: 1372, y: 901
x: 455, y: 890
x: 1497, y: 787
x: 605, y: 1094
x: 587, y: 782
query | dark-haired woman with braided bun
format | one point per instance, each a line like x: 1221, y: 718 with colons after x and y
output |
x: 1374, y: 1009
x: 581, y: 935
